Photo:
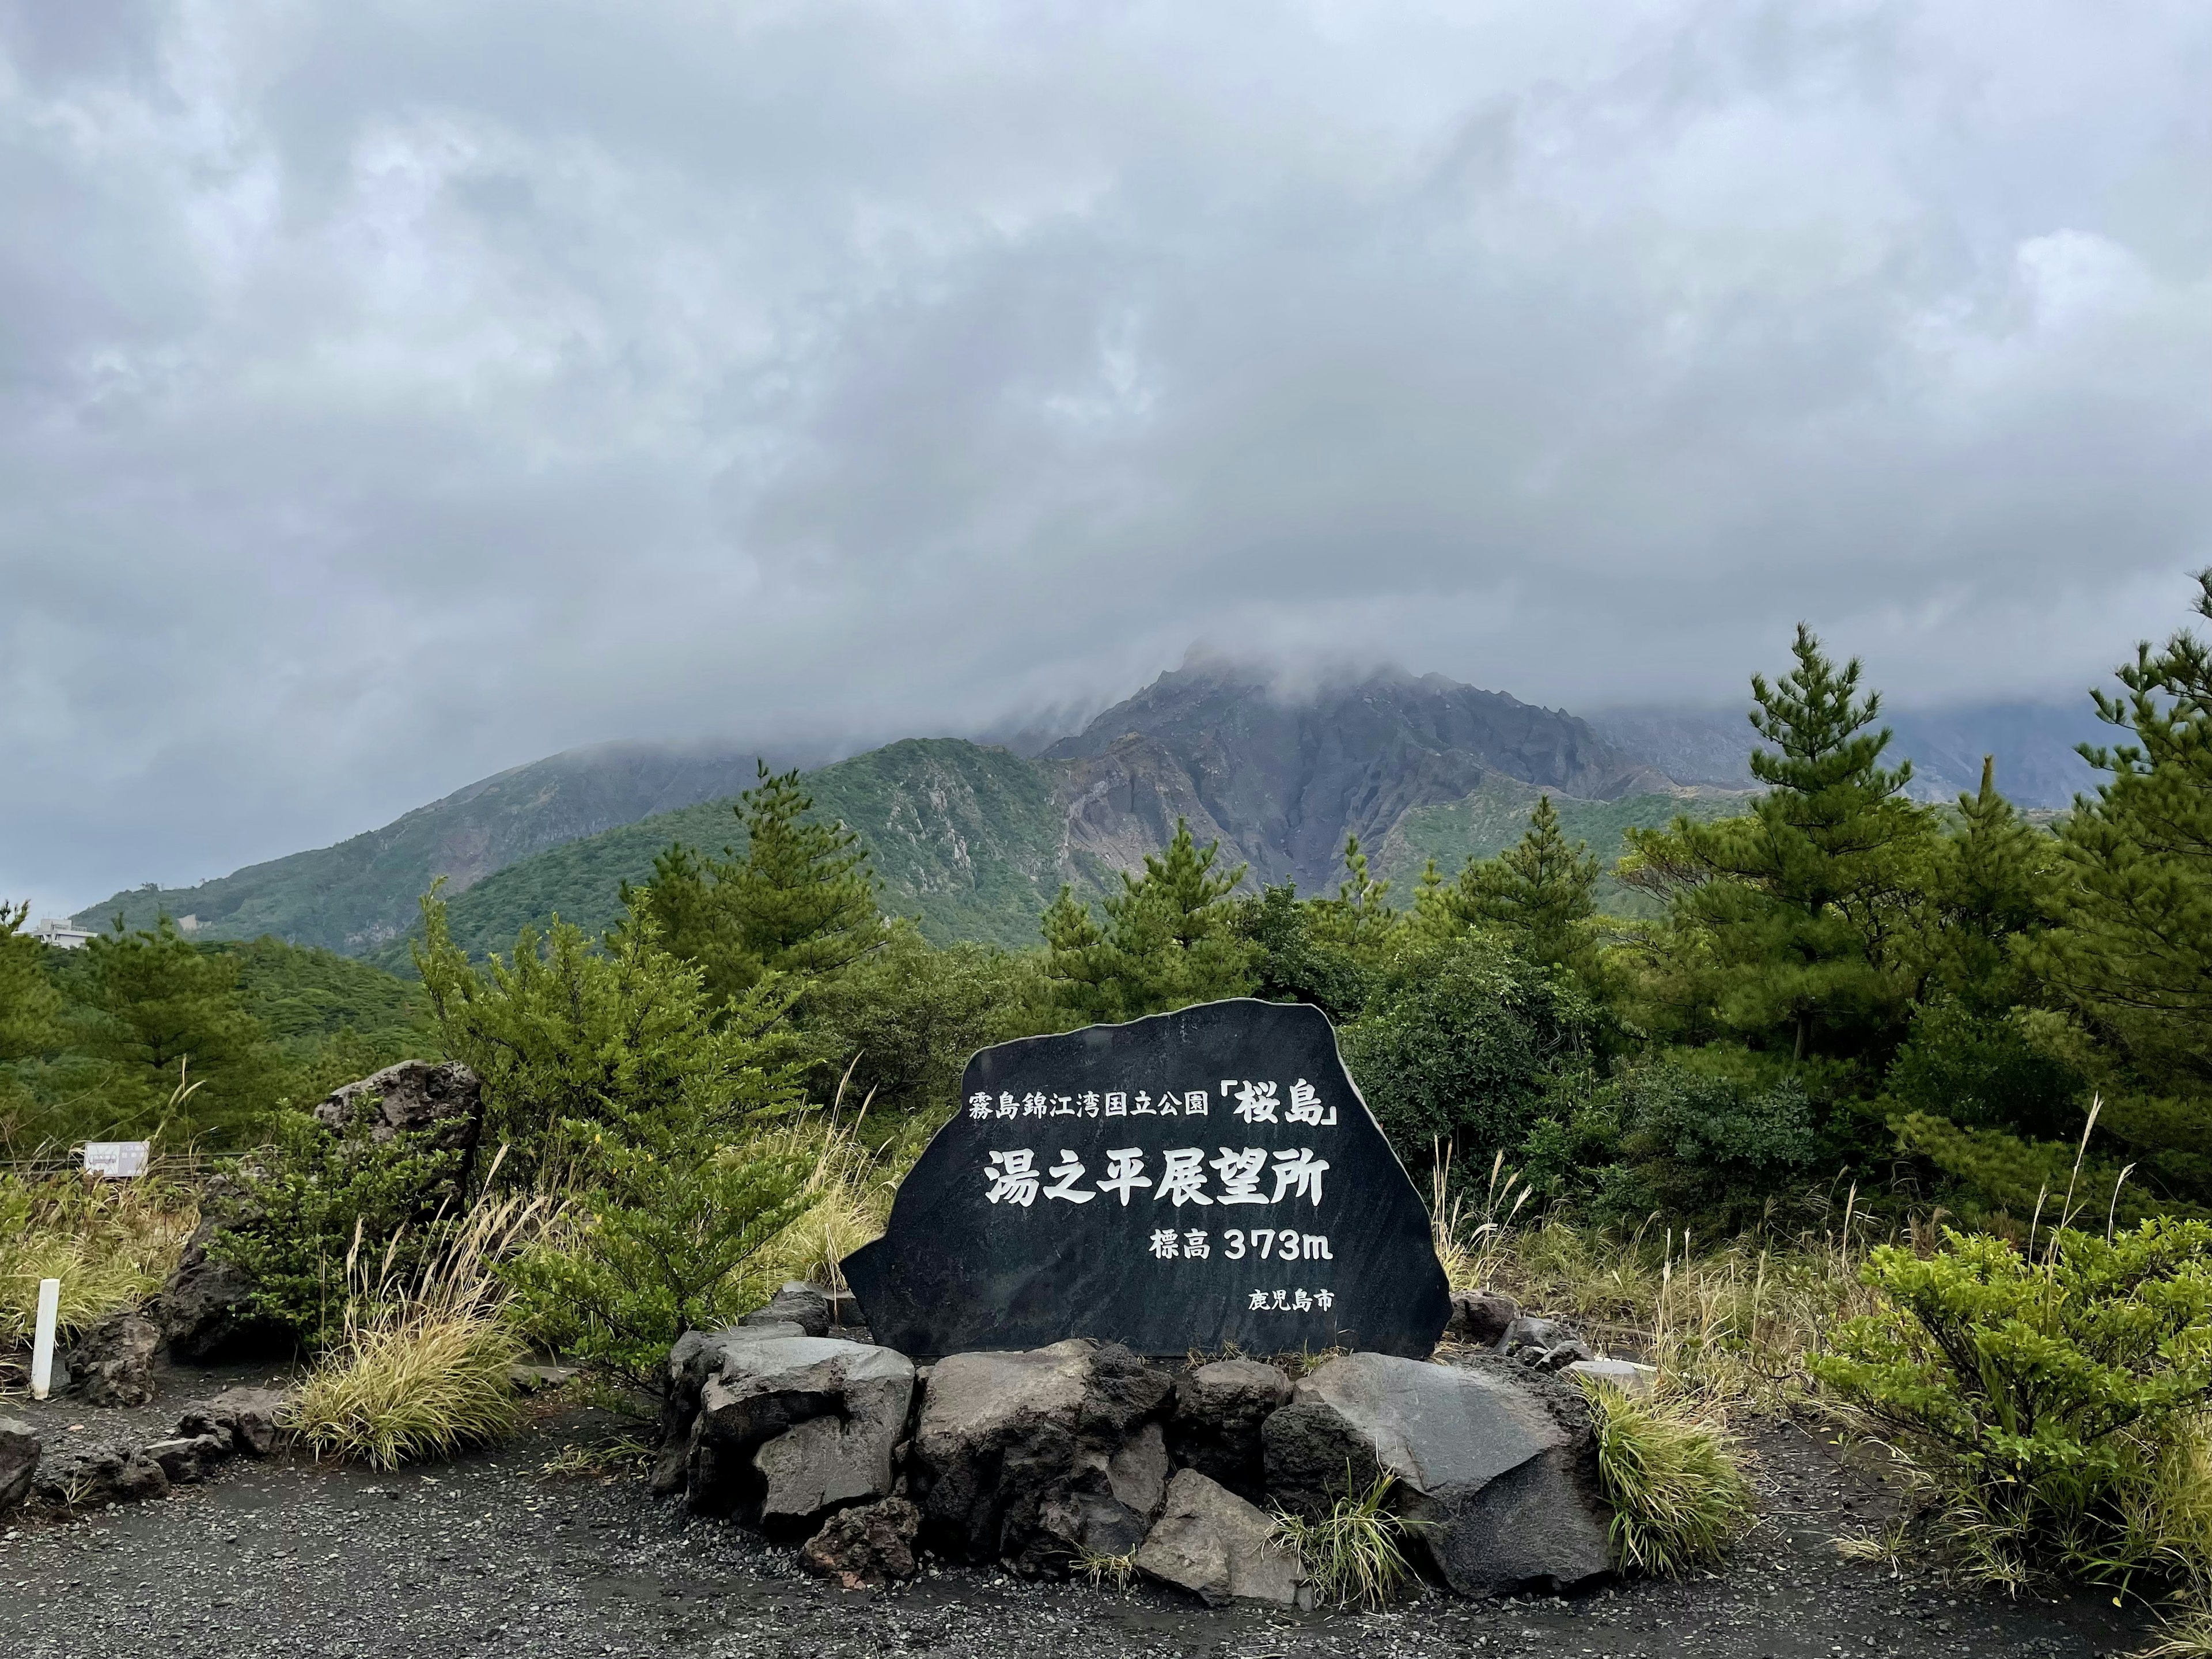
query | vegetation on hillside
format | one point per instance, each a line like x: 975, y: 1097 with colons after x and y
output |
x: 1844, y: 1016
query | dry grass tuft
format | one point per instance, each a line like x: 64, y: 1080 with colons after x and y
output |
x: 110, y: 1242
x: 422, y: 1369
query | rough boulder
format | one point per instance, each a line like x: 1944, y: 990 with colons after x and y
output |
x: 1498, y: 1463
x: 788, y: 1429
x: 867, y: 1547
x: 413, y: 1095
x: 1210, y: 1542
x: 1034, y: 1458
x: 19, y: 1451
x: 112, y: 1363
x: 1218, y: 1409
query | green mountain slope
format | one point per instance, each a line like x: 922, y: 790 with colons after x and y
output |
x: 361, y: 892
x: 966, y: 839
x: 1492, y: 816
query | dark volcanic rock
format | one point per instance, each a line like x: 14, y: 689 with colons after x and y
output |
x: 1498, y: 1464
x: 112, y: 1363
x: 185, y: 1458
x: 791, y: 1428
x: 1033, y: 1458
x: 19, y: 1460
x: 413, y: 1095
x: 1210, y: 1542
x: 1548, y: 1344
x: 249, y: 1420
x: 1204, y: 1179
x: 866, y: 1547
x: 1218, y: 1409
x: 1480, y: 1317
x: 806, y: 1306
x: 205, y: 1309
x: 98, y: 1476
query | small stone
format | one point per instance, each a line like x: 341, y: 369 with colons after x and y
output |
x: 184, y: 1458
x: 20, y: 1450
x: 1480, y: 1317
x: 865, y: 1547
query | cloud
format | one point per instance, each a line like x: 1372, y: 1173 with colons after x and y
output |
x: 393, y: 393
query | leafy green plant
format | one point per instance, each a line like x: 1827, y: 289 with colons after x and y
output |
x: 2052, y: 1394
x: 1356, y: 1553
x: 287, y: 1216
x: 1670, y: 1472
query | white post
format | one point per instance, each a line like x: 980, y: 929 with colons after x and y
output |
x: 42, y: 1342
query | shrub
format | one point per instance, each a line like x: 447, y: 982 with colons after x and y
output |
x: 1355, y: 1555
x: 569, y: 1038
x: 1710, y: 1137
x: 1679, y: 1496
x: 2056, y: 1399
x: 1458, y: 1044
x: 658, y: 1245
x: 287, y: 1215
x: 422, y: 1370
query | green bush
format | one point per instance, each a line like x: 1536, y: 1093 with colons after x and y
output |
x: 2049, y: 1395
x: 1458, y: 1045
x: 657, y: 1246
x: 287, y: 1215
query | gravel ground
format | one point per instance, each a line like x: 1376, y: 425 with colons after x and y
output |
x: 490, y: 1555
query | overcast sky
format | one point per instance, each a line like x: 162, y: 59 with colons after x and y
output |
x: 392, y: 393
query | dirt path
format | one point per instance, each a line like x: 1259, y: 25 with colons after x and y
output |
x: 489, y: 1555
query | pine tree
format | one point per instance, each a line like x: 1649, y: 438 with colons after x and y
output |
x: 800, y: 901
x: 1796, y: 921
x: 2136, y: 947
x: 1538, y: 894
x: 162, y: 1011
x: 1359, y: 920
x: 1171, y: 938
x: 30, y: 1007
x: 1995, y: 892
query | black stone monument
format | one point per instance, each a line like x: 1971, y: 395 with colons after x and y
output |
x: 1191, y: 1180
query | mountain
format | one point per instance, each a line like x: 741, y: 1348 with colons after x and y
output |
x: 355, y: 896
x: 2033, y: 744
x: 975, y: 838
x: 967, y: 838
x: 975, y: 841
x: 1281, y: 779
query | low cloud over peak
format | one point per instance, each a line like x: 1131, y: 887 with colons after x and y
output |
x: 389, y: 394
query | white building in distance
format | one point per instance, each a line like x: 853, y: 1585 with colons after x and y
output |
x: 64, y: 935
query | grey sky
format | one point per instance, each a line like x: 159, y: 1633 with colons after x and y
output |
x: 391, y: 393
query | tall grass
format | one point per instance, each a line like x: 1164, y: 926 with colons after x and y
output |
x: 852, y: 1185
x: 1471, y: 1240
x: 1670, y: 1472
x: 1736, y: 1324
x: 1355, y: 1555
x: 422, y: 1370
x: 110, y: 1242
